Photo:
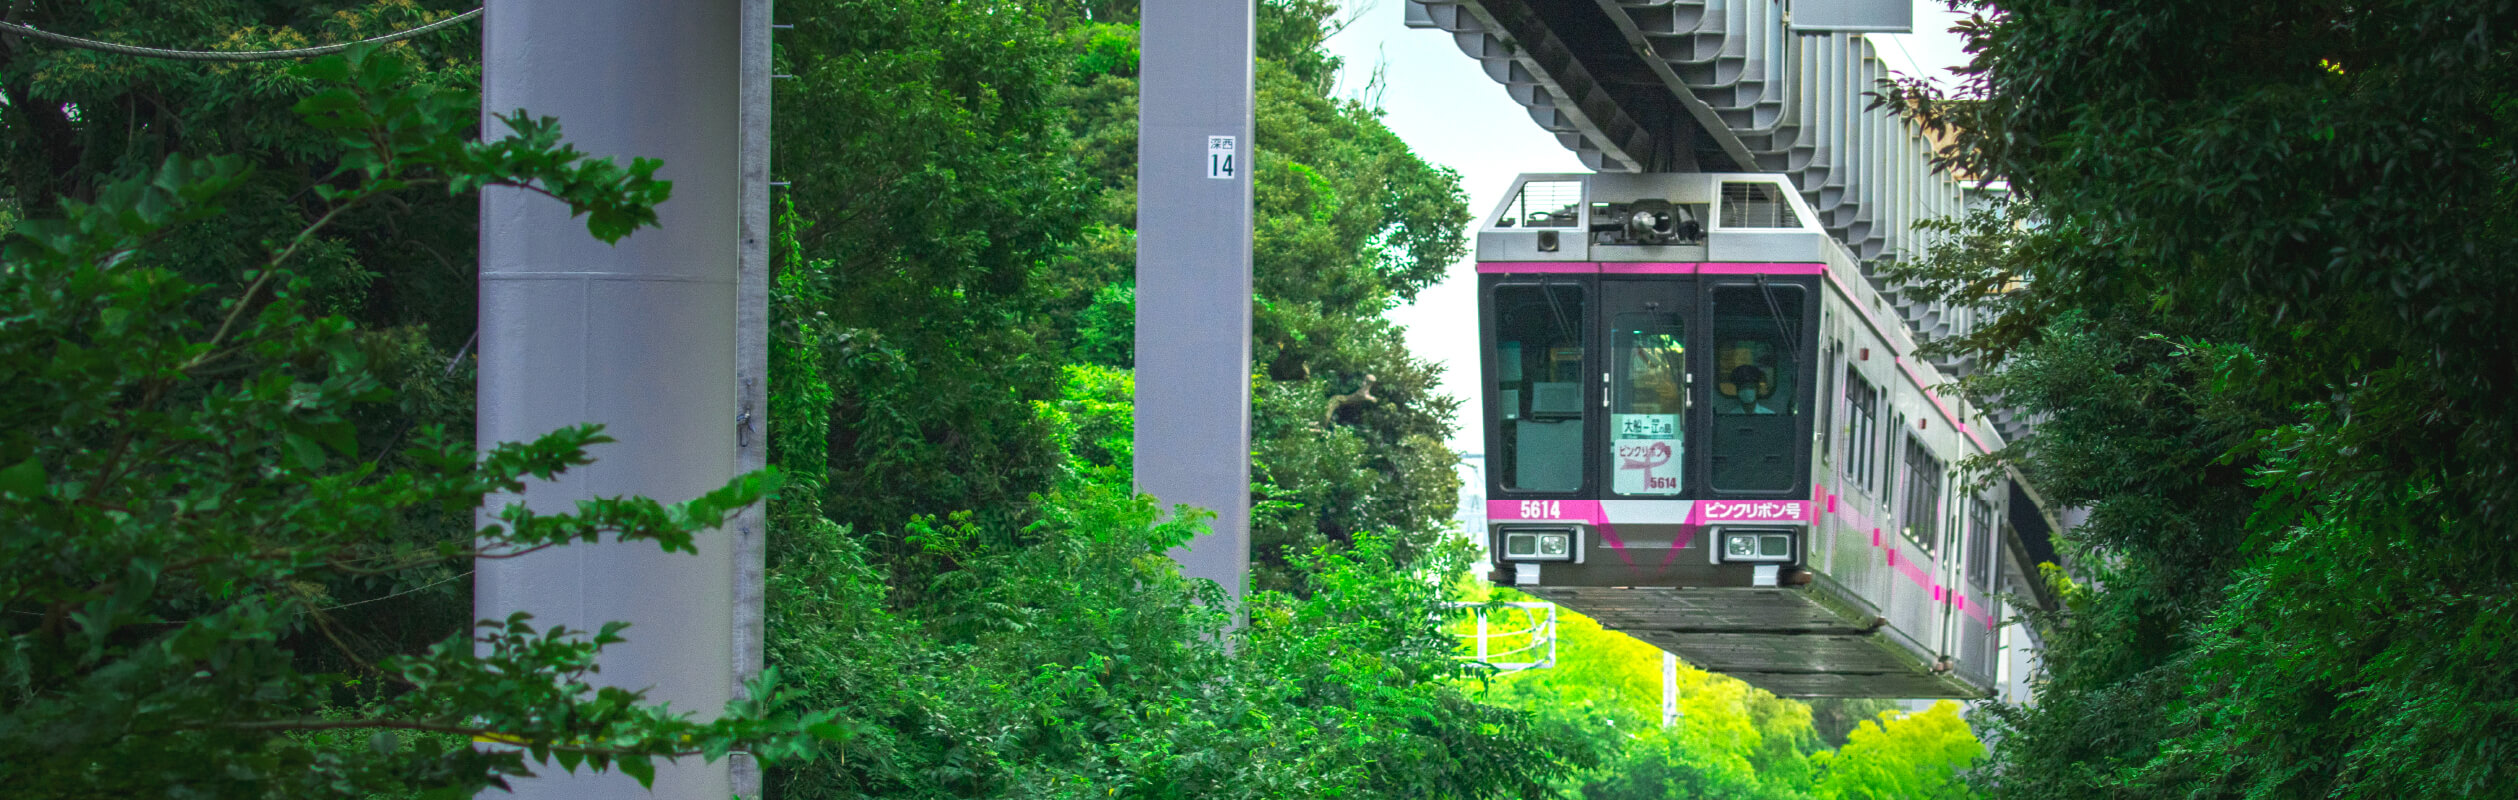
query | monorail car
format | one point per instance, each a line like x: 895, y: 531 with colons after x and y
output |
x: 1706, y: 429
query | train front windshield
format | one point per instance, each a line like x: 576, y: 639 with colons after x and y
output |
x: 1758, y: 400
x: 1539, y: 384
x: 1649, y: 386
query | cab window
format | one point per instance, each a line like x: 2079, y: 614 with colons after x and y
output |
x: 1538, y: 387
x: 1757, y: 404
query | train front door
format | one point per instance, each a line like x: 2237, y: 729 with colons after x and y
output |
x: 1648, y: 375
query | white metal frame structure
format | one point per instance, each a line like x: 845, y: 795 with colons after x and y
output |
x: 1536, y: 636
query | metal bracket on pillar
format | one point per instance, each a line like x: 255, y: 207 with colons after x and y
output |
x: 1194, y: 153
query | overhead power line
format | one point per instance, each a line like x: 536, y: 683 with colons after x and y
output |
x: 430, y: 585
x: 228, y: 55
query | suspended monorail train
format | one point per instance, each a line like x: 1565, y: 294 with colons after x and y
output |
x: 1706, y: 429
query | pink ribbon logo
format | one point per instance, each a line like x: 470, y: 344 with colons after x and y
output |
x: 1654, y: 456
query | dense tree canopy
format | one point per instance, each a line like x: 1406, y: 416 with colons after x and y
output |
x: 2266, y: 258
x: 976, y: 163
x: 196, y: 488
x: 238, y: 459
x: 963, y: 571
x: 400, y: 268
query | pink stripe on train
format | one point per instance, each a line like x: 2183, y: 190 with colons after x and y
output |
x: 1586, y: 511
x: 1711, y: 511
x: 1646, y: 268
x: 1688, y: 515
x: 1538, y: 267
x: 1980, y: 615
x: 1740, y: 268
x: 1914, y: 573
x: 1946, y: 416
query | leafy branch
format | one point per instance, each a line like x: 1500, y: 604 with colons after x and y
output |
x: 184, y: 478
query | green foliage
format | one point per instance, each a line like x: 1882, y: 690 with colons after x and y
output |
x: 399, y: 268
x: 2258, y: 301
x: 1108, y: 50
x: 932, y: 192
x: 1834, y: 719
x: 961, y: 576
x: 976, y: 170
x: 1902, y: 756
x: 1731, y: 740
x: 383, y: 133
x: 1080, y: 663
x: 189, y: 490
x: 962, y: 572
x: 78, y: 120
x: 1348, y: 427
x: 1095, y: 418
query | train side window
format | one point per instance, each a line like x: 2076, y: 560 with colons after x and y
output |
x: 1647, y: 403
x: 1757, y: 401
x: 1862, y: 422
x: 1827, y: 406
x: 1980, y: 542
x: 1539, y: 387
x: 1920, y: 519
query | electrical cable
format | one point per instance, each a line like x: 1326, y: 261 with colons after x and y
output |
x: 222, y: 55
x: 441, y: 582
x: 422, y: 587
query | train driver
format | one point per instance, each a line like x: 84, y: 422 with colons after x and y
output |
x: 1747, y: 385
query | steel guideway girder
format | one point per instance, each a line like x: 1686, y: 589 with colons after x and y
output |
x: 1540, y: 72
x: 1766, y: 97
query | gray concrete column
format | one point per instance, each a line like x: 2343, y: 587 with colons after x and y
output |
x: 751, y: 312
x: 639, y: 336
x: 1193, y: 273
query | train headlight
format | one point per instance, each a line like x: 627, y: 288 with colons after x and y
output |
x: 1760, y: 546
x: 1544, y: 544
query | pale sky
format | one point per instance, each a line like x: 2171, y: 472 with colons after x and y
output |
x: 1444, y: 106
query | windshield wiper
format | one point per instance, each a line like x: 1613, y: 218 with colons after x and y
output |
x: 1563, y: 328
x: 1792, y: 342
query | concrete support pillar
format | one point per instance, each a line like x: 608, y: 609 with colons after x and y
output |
x: 751, y: 347
x: 1193, y: 272
x: 639, y: 336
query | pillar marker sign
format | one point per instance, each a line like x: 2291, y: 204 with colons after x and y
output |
x: 1220, y: 157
